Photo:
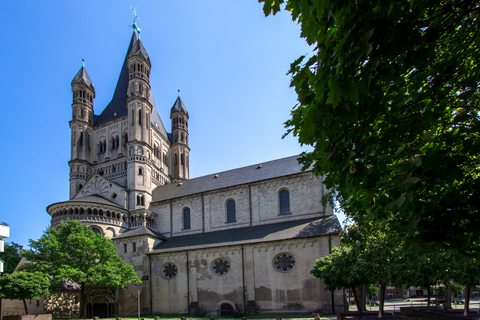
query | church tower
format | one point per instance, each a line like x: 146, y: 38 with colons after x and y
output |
x: 139, y: 145
x: 81, y: 127
x: 179, y: 150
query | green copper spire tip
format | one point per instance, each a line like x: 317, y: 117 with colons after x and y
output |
x: 135, y: 26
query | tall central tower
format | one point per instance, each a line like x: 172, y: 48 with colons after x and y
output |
x: 139, y: 143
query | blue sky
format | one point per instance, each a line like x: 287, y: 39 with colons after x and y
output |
x: 227, y: 58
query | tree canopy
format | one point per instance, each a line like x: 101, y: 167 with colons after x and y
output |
x: 24, y: 286
x: 11, y: 256
x: 75, y: 253
x: 389, y: 100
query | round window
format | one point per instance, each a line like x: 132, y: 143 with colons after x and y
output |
x: 221, y: 267
x: 284, y: 262
x: 169, y: 270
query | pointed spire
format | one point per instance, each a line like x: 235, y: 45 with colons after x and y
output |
x: 82, y: 75
x: 179, y: 106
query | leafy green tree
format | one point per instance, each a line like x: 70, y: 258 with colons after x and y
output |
x: 11, y: 256
x: 381, y: 254
x: 389, y: 99
x: 24, y: 285
x: 466, y: 271
x: 75, y: 253
x: 342, y: 269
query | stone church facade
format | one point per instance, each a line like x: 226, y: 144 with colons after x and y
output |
x: 242, y: 240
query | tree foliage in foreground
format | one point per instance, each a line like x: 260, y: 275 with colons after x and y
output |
x: 367, y: 256
x: 24, y: 286
x: 389, y: 100
x: 11, y: 256
x: 75, y: 253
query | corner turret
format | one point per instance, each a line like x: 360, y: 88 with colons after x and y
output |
x: 180, y: 150
x: 81, y: 127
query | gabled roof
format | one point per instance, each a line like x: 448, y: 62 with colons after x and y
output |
x: 178, y: 106
x: 139, y: 48
x: 117, y: 107
x: 82, y: 75
x: 141, y: 231
x: 258, y: 172
x: 293, y: 229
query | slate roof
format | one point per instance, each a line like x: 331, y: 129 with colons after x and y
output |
x: 179, y: 106
x: 293, y: 229
x: 82, y: 74
x: 140, y: 232
x: 91, y: 199
x: 117, y: 106
x: 257, y: 172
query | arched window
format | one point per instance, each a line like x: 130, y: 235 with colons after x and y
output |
x: 284, y: 200
x: 186, y: 218
x: 139, y: 116
x: 125, y: 248
x: 182, y: 159
x: 134, y: 247
x: 231, y: 211
x: 140, y: 171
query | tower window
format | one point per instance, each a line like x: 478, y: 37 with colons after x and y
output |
x: 186, y: 218
x: 140, y: 200
x: 139, y: 116
x: 140, y: 171
x: 176, y: 159
x: 231, y: 214
x: 284, y: 201
x: 182, y: 159
x: 134, y: 247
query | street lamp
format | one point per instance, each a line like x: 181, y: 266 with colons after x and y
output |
x: 136, y: 284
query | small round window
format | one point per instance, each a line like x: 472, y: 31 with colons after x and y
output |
x: 169, y: 270
x: 221, y: 267
x: 284, y: 262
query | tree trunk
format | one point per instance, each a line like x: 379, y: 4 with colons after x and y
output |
x: 357, y: 303
x: 83, y: 307
x: 381, y: 302
x: 466, y: 311
x: 448, y: 296
x: 428, y: 296
x: 362, y: 297
x: 25, y: 306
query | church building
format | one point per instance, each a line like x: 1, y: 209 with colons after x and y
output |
x: 240, y: 241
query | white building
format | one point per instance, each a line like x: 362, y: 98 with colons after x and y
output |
x: 4, y: 233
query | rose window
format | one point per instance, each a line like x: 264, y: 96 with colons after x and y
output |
x: 284, y: 262
x: 169, y: 271
x: 221, y: 267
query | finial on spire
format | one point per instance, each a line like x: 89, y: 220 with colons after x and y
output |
x: 179, y: 93
x: 83, y: 62
x: 134, y: 25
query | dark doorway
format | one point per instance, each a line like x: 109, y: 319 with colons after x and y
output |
x: 101, y: 306
x: 226, y: 310
x: 100, y: 310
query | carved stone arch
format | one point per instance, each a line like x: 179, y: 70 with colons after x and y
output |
x: 226, y: 308
x: 110, y: 232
